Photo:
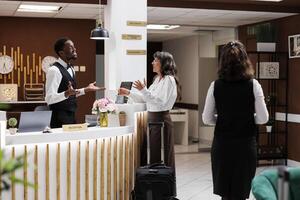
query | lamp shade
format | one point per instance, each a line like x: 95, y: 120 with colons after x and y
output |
x: 99, y: 33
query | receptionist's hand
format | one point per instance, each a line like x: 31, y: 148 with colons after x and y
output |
x: 92, y: 87
x: 70, y: 91
x: 123, y: 92
x: 139, y: 85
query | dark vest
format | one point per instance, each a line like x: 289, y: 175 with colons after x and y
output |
x: 70, y: 104
x: 235, y: 104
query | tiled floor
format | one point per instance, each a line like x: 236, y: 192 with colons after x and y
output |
x: 194, y: 180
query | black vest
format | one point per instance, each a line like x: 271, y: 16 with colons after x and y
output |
x: 70, y: 104
x: 235, y: 104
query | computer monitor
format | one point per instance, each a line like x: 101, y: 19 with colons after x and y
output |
x: 34, y: 121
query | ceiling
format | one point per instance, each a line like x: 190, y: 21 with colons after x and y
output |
x: 282, y: 3
x: 202, y: 21
x: 68, y: 10
x: 250, y: 5
x: 192, y: 21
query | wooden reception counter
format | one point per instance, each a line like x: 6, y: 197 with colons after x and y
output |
x: 98, y: 163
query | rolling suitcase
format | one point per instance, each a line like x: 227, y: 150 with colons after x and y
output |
x: 283, y: 184
x: 155, y: 181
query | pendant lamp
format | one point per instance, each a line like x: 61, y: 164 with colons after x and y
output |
x: 99, y: 33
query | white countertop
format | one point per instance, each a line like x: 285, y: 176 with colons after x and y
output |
x: 58, y: 135
x: 22, y: 102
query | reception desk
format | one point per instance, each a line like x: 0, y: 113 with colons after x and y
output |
x: 98, y: 163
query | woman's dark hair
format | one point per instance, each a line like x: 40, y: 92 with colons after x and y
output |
x: 168, y: 67
x: 59, y: 45
x: 235, y: 64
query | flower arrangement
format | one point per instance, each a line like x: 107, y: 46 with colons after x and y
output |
x: 104, y: 105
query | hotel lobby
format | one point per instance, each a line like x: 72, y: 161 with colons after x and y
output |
x: 115, y: 41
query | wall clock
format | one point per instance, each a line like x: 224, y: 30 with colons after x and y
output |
x: 48, y: 62
x: 6, y: 64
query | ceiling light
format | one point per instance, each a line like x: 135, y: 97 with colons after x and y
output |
x: 99, y: 33
x: 38, y: 8
x: 161, y: 27
x: 268, y: 0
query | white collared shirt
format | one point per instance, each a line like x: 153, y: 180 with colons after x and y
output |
x: 53, y: 79
x: 261, y: 112
x: 160, y: 96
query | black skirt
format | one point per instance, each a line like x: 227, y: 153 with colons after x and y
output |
x: 233, y: 166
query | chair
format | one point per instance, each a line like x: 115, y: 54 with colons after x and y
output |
x: 264, y: 185
x: 41, y: 108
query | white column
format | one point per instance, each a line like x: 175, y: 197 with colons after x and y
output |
x: 118, y: 65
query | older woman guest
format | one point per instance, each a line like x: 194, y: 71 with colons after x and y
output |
x: 235, y: 104
x: 160, y: 98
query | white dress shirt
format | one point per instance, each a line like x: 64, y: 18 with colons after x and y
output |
x: 160, y: 96
x: 53, y: 79
x: 261, y: 113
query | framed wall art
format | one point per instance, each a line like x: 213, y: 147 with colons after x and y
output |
x: 294, y: 46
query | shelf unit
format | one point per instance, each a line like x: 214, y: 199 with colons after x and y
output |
x: 273, y: 145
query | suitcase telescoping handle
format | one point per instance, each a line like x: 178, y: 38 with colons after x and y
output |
x: 162, y: 125
x: 283, y: 183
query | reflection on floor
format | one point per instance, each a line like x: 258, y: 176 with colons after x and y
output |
x: 194, y: 179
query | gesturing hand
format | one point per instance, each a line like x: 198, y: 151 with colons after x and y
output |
x: 123, y: 92
x: 92, y: 87
x: 70, y: 91
x: 139, y: 85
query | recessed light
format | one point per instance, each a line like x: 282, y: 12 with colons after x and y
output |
x: 38, y: 8
x: 161, y: 27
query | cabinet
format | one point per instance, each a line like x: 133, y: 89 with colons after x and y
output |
x: 271, y: 70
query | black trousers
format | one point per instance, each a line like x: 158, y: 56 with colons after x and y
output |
x: 155, y: 140
x: 60, y: 117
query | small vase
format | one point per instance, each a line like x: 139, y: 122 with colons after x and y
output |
x: 103, y: 121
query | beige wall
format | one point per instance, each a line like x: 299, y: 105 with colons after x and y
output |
x: 185, y: 52
x: 193, y: 55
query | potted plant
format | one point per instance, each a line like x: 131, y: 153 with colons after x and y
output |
x: 7, y: 169
x: 122, y: 118
x: 269, y: 125
x: 12, y: 123
x: 266, y: 37
x: 271, y: 99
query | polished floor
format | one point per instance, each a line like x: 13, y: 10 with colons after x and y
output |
x: 194, y: 179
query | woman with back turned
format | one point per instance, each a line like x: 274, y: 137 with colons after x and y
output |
x: 235, y: 104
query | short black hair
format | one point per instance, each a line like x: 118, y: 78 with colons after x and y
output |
x: 59, y: 44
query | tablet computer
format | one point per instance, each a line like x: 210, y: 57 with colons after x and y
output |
x: 122, y: 99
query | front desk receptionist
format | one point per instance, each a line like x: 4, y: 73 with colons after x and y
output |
x: 61, y: 92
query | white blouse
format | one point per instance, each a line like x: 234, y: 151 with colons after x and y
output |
x: 261, y: 113
x: 53, y: 79
x: 160, y: 96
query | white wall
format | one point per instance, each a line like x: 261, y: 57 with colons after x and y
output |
x: 185, y: 52
x: 192, y: 54
x: 208, y: 54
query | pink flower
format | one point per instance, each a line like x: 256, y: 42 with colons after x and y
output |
x: 103, y: 105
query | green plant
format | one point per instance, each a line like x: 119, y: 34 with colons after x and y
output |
x: 265, y: 32
x: 271, y: 122
x: 270, y: 99
x: 4, y: 106
x: 7, y: 167
x: 12, y: 122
